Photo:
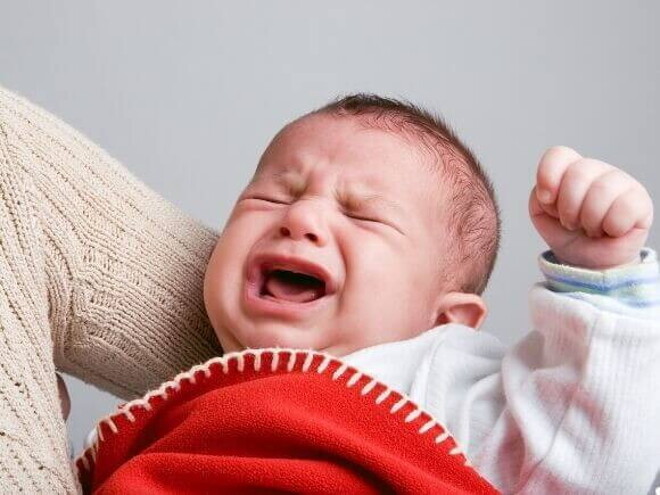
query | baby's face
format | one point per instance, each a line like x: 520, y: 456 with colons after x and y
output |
x: 333, y: 246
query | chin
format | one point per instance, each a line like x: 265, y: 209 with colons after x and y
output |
x: 278, y: 335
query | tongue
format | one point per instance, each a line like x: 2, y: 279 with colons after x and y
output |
x: 294, y: 287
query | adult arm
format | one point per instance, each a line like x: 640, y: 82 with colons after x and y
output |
x: 100, y: 278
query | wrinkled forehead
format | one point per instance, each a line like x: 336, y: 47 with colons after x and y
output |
x: 355, y: 152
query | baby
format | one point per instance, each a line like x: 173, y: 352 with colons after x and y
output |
x: 369, y: 232
x: 367, y: 223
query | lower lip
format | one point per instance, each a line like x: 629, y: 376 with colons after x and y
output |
x: 276, y: 307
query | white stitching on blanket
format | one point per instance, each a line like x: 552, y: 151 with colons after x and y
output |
x: 384, y: 395
x: 427, y: 426
x: 308, y: 361
x: 324, y: 364
x: 111, y: 424
x: 129, y: 415
x: 413, y: 415
x: 399, y: 404
x: 84, y: 461
x: 354, y: 379
x: 292, y: 362
x: 339, y: 371
x: 369, y: 387
x: 239, y: 357
x: 442, y: 437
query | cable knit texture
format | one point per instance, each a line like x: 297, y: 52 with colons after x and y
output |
x: 100, y: 278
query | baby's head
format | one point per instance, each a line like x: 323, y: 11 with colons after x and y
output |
x: 367, y: 221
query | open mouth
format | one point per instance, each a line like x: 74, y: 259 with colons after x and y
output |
x: 290, y: 286
x: 285, y: 285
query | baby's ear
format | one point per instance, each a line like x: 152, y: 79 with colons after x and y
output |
x: 459, y: 307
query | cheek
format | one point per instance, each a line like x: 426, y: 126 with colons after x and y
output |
x: 376, y: 268
x: 241, y: 232
x: 224, y: 273
x: 389, y: 277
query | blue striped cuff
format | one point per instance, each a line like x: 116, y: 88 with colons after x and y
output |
x: 634, y: 285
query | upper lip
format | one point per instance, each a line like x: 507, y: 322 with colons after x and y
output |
x: 264, y: 262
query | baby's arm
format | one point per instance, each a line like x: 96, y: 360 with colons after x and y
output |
x: 579, y: 402
x: 580, y: 393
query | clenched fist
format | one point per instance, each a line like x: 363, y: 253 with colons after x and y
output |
x: 591, y: 214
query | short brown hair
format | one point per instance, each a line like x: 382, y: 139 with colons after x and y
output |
x: 474, y: 217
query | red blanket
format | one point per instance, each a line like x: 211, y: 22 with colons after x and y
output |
x: 274, y: 421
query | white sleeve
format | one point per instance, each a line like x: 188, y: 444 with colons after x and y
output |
x: 581, y: 411
x: 573, y: 407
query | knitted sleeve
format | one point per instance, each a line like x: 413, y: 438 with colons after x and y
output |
x: 100, y: 277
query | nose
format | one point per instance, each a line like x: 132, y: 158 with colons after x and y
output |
x: 304, y: 220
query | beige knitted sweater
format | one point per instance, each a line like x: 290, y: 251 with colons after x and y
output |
x: 100, y: 277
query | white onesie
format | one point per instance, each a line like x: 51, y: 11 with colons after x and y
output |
x: 573, y: 408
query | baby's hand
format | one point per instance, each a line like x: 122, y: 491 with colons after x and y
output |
x: 591, y: 214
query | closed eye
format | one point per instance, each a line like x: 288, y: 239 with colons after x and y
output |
x: 364, y: 219
x: 268, y: 200
x: 374, y: 221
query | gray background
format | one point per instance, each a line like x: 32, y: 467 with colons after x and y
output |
x: 187, y: 94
